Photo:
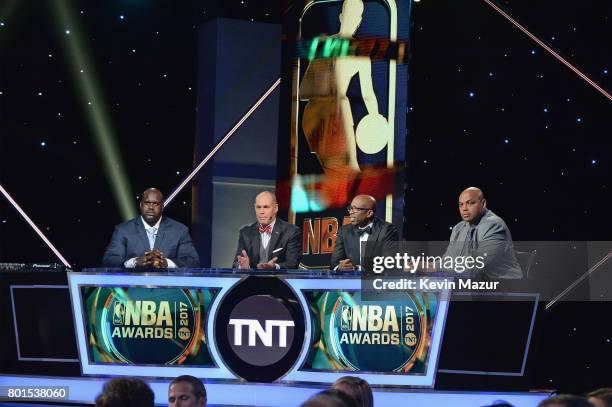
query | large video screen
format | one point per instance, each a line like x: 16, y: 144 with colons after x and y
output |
x: 348, y: 117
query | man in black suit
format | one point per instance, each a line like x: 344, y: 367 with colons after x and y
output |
x: 270, y: 243
x: 364, y: 227
x: 151, y: 240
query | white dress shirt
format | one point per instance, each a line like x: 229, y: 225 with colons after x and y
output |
x: 265, y: 237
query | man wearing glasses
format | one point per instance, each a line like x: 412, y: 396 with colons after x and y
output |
x: 151, y: 240
x: 364, y: 227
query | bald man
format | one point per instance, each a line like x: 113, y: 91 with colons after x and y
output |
x: 269, y: 243
x: 364, y: 227
x: 483, y: 233
x: 151, y: 240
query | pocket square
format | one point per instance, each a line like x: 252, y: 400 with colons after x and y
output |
x: 277, y: 250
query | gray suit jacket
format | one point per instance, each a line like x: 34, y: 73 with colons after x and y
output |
x: 347, y: 241
x: 285, y: 243
x: 130, y: 240
x: 492, y: 237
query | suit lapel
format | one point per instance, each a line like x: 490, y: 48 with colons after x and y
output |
x: 373, y: 237
x: 276, y: 232
x: 354, y: 241
x: 255, y: 243
x: 142, y: 234
x: 161, y: 233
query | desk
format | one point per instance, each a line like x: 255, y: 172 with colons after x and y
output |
x: 282, y: 327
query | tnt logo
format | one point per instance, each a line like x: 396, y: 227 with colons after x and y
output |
x: 264, y: 333
x: 260, y: 330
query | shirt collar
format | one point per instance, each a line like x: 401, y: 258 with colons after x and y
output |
x: 147, y: 226
x: 473, y: 225
x: 368, y: 225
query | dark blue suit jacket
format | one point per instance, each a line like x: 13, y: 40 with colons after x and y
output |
x: 130, y: 240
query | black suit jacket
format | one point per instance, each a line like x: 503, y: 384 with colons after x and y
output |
x: 347, y: 241
x: 285, y: 239
x: 130, y: 240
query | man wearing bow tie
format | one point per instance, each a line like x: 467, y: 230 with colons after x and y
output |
x: 364, y: 227
x: 270, y: 243
x: 151, y: 240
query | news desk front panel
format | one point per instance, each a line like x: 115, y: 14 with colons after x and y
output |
x: 286, y: 327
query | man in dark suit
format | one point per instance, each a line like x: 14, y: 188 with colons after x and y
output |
x: 270, y: 243
x: 364, y: 227
x: 151, y: 240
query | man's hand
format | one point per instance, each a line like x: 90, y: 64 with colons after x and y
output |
x: 159, y: 260
x: 142, y: 261
x: 345, y: 265
x: 145, y: 260
x: 152, y: 258
x: 243, y: 261
x: 271, y: 265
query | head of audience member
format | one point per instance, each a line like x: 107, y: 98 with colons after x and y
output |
x: 500, y: 403
x: 151, y: 205
x: 601, y: 397
x: 361, y: 210
x: 186, y: 391
x: 565, y: 400
x: 330, y: 398
x: 266, y: 208
x: 357, y: 389
x: 125, y: 392
x: 472, y: 204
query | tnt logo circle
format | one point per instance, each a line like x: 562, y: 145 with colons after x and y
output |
x: 184, y: 333
x: 260, y: 330
x: 410, y: 339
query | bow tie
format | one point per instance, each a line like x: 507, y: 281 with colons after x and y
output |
x: 367, y: 230
x: 265, y: 229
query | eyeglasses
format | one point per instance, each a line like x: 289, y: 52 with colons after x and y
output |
x: 350, y: 209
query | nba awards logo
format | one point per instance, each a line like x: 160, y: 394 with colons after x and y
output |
x: 376, y: 336
x: 146, y: 327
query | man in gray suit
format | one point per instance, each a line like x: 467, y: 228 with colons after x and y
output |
x: 151, y: 240
x: 483, y: 233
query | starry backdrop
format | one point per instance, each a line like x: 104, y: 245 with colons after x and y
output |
x: 488, y: 107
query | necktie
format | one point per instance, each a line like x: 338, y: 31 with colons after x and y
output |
x: 265, y: 229
x: 151, y: 234
x: 469, y: 238
x: 367, y: 230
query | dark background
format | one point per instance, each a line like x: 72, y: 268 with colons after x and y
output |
x: 488, y: 107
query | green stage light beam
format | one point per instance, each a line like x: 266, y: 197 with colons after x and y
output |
x: 97, y: 113
x: 6, y: 12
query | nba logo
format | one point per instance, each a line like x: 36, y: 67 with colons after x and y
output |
x: 346, y: 318
x: 118, y: 313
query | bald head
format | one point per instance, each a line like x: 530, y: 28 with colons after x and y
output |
x: 266, y: 207
x: 151, y: 205
x: 364, y: 201
x: 472, y: 204
x: 267, y: 195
